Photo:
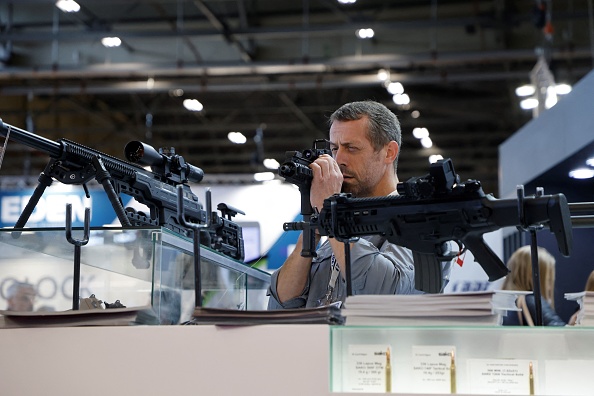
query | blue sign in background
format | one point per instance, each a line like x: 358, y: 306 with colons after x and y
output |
x: 50, y: 211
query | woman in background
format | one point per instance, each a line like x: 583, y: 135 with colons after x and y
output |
x: 520, y: 278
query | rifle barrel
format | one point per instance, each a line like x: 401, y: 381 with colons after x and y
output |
x: 30, y: 139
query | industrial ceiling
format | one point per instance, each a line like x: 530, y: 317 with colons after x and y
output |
x: 275, y: 70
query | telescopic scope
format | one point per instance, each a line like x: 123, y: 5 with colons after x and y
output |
x: 143, y: 154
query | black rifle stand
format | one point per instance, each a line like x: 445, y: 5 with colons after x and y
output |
x: 77, y: 244
x: 196, y: 242
x: 347, y: 267
x: 533, y: 250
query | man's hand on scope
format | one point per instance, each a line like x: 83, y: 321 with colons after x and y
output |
x: 327, y: 180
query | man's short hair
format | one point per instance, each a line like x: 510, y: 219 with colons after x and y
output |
x: 383, y: 124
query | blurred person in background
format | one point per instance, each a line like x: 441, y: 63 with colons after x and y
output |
x: 20, y: 296
x: 520, y: 278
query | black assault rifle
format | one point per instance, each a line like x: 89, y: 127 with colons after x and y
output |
x: 435, y: 209
x: 296, y: 170
x: 73, y: 163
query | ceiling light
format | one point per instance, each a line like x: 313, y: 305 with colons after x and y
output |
x: 562, y: 89
x: 110, y: 42
x: 434, y: 158
x: 193, y: 105
x: 364, y: 33
x: 395, y: 88
x: 177, y: 92
x: 237, y: 138
x: 420, y: 133
x: 525, y: 90
x: 271, y: 163
x: 347, y: 1
x: 426, y: 142
x: 401, y: 99
x: 590, y: 161
x: 68, y: 5
x: 383, y: 75
x: 528, y: 104
x: 582, y: 173
x: 263, y: 176
x: 415, y: 114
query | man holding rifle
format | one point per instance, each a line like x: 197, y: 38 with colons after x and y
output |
x: 365, y: 141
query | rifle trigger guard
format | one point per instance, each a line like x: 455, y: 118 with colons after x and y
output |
x: 447, y: 256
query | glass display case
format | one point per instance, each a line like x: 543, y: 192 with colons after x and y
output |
x: 226, y: 282
x: 478, y: 360
x: 137, y: 267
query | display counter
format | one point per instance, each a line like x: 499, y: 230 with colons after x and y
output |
x: 464, y: 360
x: 282, y: 359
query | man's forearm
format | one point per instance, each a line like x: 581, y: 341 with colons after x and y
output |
x: 293, y: 274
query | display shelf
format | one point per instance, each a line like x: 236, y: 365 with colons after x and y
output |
x: 487, y: 360
x: 226, y: 282
x: 138, y: 267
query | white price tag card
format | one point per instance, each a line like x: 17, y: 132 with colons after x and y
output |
x: 501, y: 376
x: 434, y: 369
x: 368, y: 368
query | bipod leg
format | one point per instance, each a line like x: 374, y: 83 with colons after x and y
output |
x: 44, y: 181
x: 104, y: 178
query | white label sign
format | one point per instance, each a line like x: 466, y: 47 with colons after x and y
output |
x: 365, y: 369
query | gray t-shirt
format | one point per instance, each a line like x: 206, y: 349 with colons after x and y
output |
x: 377, y: 267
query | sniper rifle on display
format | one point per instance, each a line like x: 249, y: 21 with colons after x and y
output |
x: 73, y: 163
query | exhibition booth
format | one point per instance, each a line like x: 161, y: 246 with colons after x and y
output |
x: 155, y: 269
